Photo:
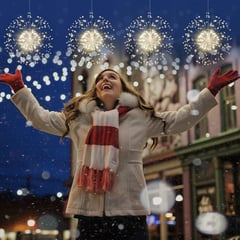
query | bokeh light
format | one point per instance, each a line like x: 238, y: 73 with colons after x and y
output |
x: 193, y: 95
x: 161, y: 197
x: 211, y: 223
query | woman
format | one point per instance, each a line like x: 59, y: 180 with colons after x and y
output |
x: 109, y: 126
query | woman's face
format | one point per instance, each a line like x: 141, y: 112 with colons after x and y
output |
x: 108, y: 86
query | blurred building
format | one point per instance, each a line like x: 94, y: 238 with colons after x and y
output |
x: 203, y: 164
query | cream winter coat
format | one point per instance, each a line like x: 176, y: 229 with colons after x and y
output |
x: 135, y: 129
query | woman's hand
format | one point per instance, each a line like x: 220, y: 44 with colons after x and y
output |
x: 219, y: 81
x: 13, y: 80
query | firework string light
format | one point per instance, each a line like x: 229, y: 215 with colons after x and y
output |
x: 207, y: 39
x: 29, y: 40
x: 148, y: 41
x: 92, y: 38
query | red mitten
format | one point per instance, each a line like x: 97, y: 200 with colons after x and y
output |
x: 13, y: 80
x: 219, y: 81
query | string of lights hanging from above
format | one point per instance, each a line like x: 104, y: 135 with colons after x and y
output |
x: 92, y: 38
x: 28, y: 40
x: 207, y: 39
x: 148, y: 41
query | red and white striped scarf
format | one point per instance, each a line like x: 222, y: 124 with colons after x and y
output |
x: 101, y: 151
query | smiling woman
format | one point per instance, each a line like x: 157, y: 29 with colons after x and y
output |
x: 109, y: 126
x: 108, y: 88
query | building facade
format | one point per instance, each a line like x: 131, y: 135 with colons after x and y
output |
x: 204, y: 166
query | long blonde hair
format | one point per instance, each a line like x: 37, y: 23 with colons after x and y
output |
x: 71, y: 109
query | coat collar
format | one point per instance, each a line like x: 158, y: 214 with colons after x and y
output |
x: 125, y: 100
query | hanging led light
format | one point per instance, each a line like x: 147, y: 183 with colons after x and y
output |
x: 28, y: 40
x: 207, y: 40
x: 148, y: 41
x: 92, y: 38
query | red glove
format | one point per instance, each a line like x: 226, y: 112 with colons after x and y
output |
x: 218, y: 81
x: 13, y: 80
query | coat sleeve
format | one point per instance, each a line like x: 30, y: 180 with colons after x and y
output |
x: 173, y: 122
x: 41, y: 119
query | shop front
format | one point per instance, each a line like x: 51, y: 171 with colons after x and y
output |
x: 212, y: 168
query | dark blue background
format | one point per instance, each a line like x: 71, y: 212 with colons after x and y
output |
x: 24, y: 152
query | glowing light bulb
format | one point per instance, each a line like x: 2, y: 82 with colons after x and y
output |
x: 31, y: 222
x: 208, y: 40
x: 91, y: 40
x: 149, y: 41
x: 29, y: 40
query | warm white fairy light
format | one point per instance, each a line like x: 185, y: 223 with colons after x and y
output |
x: 207, y: 40
x: 92, y: 38
x: 148, y: 41
x: 29, y: 40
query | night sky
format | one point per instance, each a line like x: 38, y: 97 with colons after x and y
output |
x: 38, y: 161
